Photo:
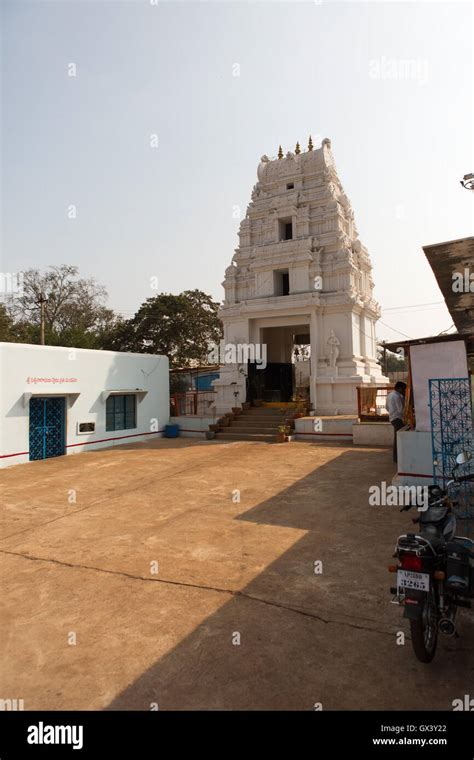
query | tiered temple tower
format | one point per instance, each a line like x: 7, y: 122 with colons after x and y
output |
x: 300, y: 276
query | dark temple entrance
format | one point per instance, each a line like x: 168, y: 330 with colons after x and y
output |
x: 274, y: 383
x: 285, y: 374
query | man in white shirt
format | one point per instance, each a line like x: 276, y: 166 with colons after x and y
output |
x: 395, y: 405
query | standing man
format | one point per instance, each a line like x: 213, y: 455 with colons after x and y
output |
x: 395, y: 405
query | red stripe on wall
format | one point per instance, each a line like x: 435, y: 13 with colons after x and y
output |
x: 119, y: 438
x: 85, y: 443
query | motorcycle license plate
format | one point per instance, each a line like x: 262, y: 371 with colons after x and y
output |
x: 410, y: 579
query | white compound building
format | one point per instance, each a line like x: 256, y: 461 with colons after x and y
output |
x: 59, y: 401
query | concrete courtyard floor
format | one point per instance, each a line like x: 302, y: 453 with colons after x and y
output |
x: 80, y: 539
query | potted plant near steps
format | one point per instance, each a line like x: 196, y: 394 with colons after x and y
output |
x: 236, y: 410
x: 210, y: 434
x: 223, y: 421
x: 301, y: 410
x: 214, y: 428
x: 282, y: 433
x: 301, y: 406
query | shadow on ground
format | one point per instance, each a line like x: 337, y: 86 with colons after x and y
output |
x: 293, y: 637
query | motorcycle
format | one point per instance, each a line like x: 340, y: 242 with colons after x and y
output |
x: 435, y: 570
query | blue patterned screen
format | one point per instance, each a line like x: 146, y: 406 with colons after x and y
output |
x: 47, y: 427
x: 451, y: 433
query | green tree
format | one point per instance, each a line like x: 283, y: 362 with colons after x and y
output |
x: 394, y: 362
x: 75, y: 311
x: 6, y: 324
x: 180, y: 326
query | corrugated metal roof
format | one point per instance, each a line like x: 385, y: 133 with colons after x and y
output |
x: 454, y: 261
x: 393, y: 345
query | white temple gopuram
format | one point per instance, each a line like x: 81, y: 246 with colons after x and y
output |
x: 300, y: 284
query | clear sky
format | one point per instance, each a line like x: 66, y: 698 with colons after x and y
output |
x: 390, y: 83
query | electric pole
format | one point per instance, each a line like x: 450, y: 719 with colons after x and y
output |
x: 42, y: 301
x: 384, y: 357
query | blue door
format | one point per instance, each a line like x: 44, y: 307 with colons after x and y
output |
x: 47, y: 427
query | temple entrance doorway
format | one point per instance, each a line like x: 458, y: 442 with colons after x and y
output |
x: 287, y: 371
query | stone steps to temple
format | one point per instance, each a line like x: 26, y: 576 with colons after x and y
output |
x: 257, y: 415
x: 261, y: 410
x: 250, y: 427
x: 238, y: 436
x: 263, y: 417
x: 255, y: 424
x: 257, y: 420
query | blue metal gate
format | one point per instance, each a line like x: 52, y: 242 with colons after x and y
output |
x: 47, y: 427
x: 451, y: 433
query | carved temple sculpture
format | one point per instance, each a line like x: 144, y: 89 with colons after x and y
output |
x: 333, y: 344
x: 300, y: 276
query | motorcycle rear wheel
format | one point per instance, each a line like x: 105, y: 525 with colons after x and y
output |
x: 424, y: 630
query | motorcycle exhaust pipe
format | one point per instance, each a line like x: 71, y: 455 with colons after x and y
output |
x: 447, y: 627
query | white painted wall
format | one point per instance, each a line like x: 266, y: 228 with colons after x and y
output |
x: 428, y: 362
x: 320, y: 429
x: 415, y: 458
x: 46, y: 370
x: 192, y: 427
x: 372, y: 434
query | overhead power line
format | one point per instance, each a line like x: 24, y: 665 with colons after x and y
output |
x: 413, y: 305
x: 395, y: 330
x: 445, y: 331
